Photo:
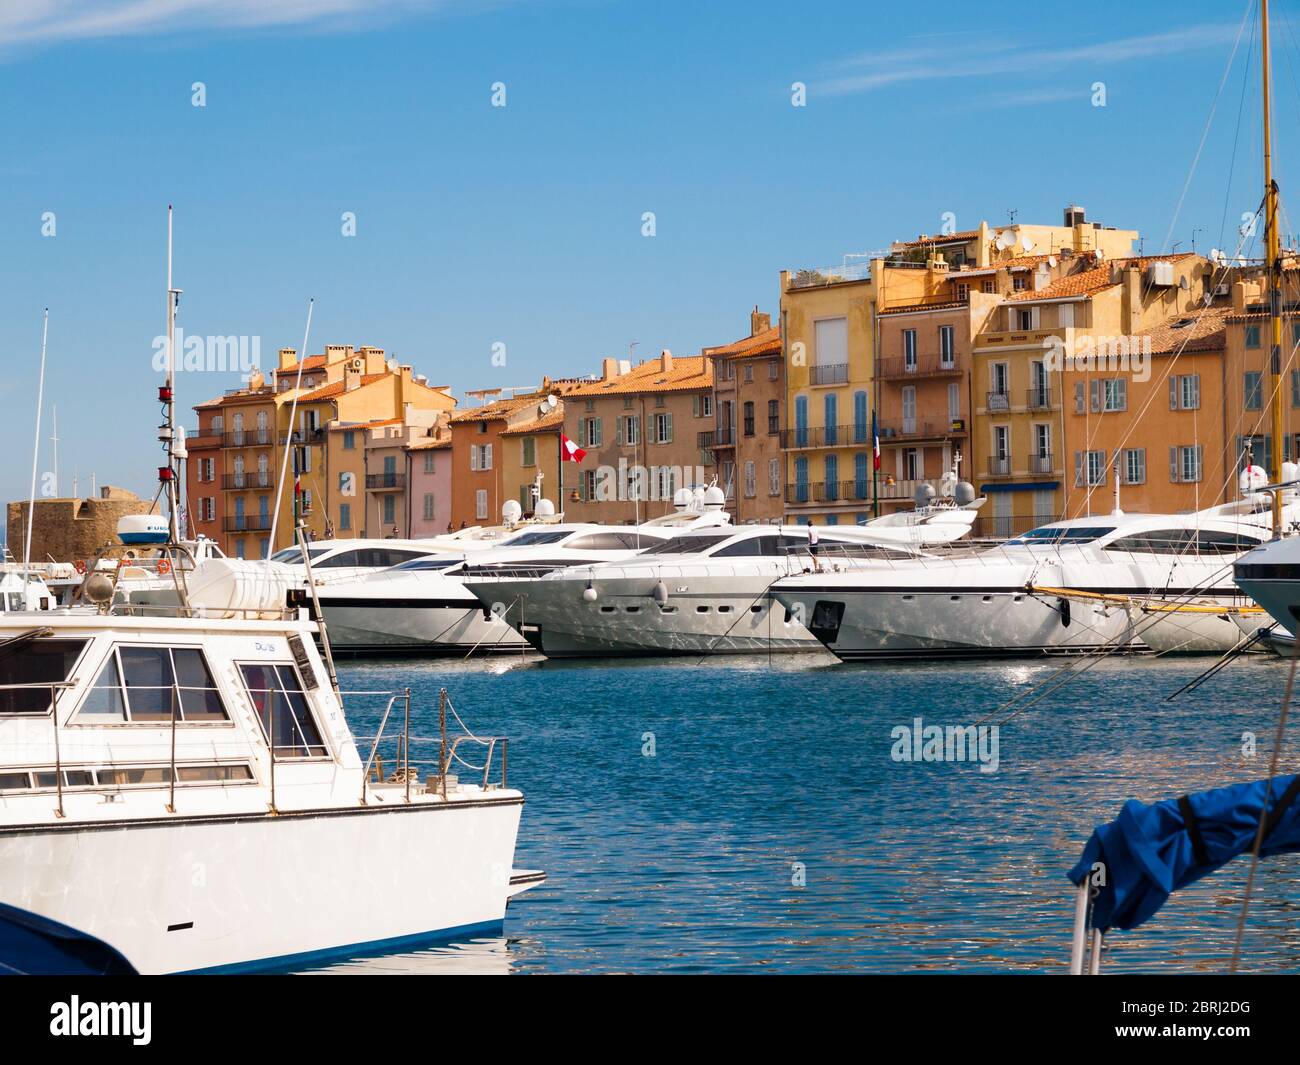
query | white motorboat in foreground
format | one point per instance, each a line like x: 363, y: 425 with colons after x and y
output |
x: 187, y: 790
x: 1068, y: 587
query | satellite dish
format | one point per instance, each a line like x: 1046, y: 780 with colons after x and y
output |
x: 552, y: 401
x: 1025, y: 242
x: 1051, y: 260
x: 511, y: 511
x: 1182, y: 283
x: 1101, y: 255
x: 1005, y: 239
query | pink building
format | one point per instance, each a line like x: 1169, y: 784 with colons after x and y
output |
x: 428, y: 465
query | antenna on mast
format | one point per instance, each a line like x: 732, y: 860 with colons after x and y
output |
x: 36, y: 448
x: 169, y: 474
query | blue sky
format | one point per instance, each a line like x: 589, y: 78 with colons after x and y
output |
x: 522, y: 225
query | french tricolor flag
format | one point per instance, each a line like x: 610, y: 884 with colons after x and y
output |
x: 569, y: 451
x: 875, y: 442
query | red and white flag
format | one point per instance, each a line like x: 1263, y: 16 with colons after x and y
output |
x: 569, y: 451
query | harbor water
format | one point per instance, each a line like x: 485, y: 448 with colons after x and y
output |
x: 747, y: 815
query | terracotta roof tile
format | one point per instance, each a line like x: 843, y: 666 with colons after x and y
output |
x: 498, y: 408
x: 1199, y: 330
x: 1089, y: 282
x: 552, y: 421
x: 688, y: 373
x: 961, y: 237
x: 339, y: 387
x: 768, y: 342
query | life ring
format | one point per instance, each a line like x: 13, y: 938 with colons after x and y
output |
x: 164, y: 567
x: 80, y: 565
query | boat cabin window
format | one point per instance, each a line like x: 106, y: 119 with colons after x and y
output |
x: 148, y: 683
x: 283, y: 711
x: 1186, y: 541
x: 370, y: 558
x: 690, y: 544
x: 610, y: 541
x: 26, y: 661
x: 431, y: 563
x: 292, y: 554
x: 535, y: 537
x: 1050, y: 534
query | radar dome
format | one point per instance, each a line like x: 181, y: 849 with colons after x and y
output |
x: 1253, y: 478
x: 511, y: 511
x: 682, y: 498
x: 964, y: 493
x: 714, y: 497
x: 544, y: 509
x: 924, y: 494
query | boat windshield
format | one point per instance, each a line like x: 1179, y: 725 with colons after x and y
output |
x: 534, y: 537
x: 1055, y: 534
x: 294, y: 554
x: 692, y: 544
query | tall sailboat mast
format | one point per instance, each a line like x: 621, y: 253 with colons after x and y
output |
x: 170, y: 474
x: 1274, y: 276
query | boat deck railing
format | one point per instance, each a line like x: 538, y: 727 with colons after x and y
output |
x: 400, y: 743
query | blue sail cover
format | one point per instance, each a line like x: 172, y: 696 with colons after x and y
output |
x: 1149, y: 852
x: 35, y: 945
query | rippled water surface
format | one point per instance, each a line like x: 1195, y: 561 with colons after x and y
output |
x: 685, y: 861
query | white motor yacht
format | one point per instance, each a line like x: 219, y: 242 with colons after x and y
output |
x: 423, y: 606
x: 706, y: 591
x: 1067, y: 587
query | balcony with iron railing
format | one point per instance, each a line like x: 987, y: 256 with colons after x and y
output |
x: 303, y: 436
x: 246, y: 523
x: 998, y: 402
x: 831, y: 373
x: 725, y: 436
x: 1040, y: 398
x: 704, y: 441
x: 902, y: 368
x: 999, y: 466
x: 824, y: 436
x: 1042, y: 463
x: 247, y: 438
x: 236, y: 482
x: 385, y: 482
x: 926, y: 430
x: 855, y: 491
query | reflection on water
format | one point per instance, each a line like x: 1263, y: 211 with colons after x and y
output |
x: 689, y: 861
x: 477, y: 957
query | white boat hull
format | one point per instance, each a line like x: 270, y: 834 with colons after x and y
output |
x: 400, y: 626
x: 260, y: 891
x: 712, y: 616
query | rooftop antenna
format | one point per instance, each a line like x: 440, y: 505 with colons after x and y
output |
x: 36, y: 448
x: 631, y: 349
x: 1011, y: 215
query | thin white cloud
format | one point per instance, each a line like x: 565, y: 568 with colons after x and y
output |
x: 863, y: 73
x: 34, y: 22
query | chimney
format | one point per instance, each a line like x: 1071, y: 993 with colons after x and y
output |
x: 758, y: 322
x: 608, y: 369
x: 352, y: 374
x: 287, y: 358
x: 666, y: 361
